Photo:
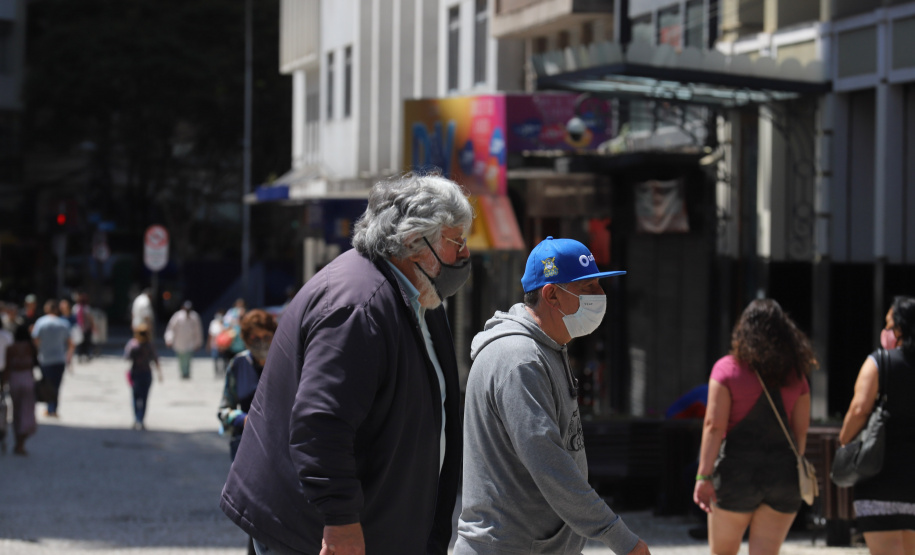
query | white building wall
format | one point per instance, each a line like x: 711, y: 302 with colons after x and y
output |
x: 505, y: 59
x: 338, y: 30
x: 399, y: 52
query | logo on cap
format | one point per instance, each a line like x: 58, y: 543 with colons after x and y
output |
x: 583, y: 260
x: 549, y: 267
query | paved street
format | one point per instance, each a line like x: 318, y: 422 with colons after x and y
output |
x: 93, y: 485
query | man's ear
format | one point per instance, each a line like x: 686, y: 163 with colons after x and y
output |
x: 548, y: 295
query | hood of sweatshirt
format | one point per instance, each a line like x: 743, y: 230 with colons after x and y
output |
x: 517, y: 321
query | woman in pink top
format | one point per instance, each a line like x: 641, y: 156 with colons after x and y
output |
x: 747, y: 469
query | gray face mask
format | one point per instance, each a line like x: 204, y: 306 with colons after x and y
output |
x: 450, y: 278
x: 259, y: 349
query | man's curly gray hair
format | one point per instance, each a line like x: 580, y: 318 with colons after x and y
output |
x: 405, y: 209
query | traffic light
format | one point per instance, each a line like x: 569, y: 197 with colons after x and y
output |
x: 62, y: 216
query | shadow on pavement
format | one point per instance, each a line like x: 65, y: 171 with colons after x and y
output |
x: 117, y: 488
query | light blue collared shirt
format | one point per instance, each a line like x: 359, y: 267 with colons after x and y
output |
x: 420, y: 311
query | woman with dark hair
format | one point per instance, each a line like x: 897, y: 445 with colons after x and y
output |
x: 142, y: 355
x: 747, y: 469
x: 885, y: 504
x: 20, y: 361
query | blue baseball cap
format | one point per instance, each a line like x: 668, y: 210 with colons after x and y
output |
x: 560, y: 261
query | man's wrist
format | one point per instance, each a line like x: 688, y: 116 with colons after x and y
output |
x: 703, y: 477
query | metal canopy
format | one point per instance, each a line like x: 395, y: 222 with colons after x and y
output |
x: 677, y: 84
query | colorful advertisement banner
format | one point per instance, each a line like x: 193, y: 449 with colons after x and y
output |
x: 469, y: 138
x: 464, y: 137
x: 538, y: 122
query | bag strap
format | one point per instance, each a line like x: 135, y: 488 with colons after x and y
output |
x: 883, y: 368
x: 778, y: 416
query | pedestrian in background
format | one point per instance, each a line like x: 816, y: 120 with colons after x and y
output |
x: 525, y: 470
x: 242, y: 376
x: 29, y: 312
x: 9, y: 317
x: 885, y: 503
x: 6, y: 339
x: 84, y: 321
x: 233, y: 316
x: 142, y: 355
x: 353, y: 440
x: 18, y: 373
x: 66, y: 311
x: 244, y: 372
x: 748, y: 473
x: 51, y: 335
x: 232, y: 343
x: 215, y: 328
x: 184, y: 334
x: 141, y: 311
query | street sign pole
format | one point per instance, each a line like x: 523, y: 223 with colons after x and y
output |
x: 246, y: 155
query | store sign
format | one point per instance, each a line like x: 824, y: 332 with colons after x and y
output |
x: 464, y: 137
x: 539, y: 122
x: 470, y: 138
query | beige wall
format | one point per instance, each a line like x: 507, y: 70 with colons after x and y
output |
x: 740, y: 18
x: 803, y: 52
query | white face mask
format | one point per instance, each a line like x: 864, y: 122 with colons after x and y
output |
x: 590, y: 313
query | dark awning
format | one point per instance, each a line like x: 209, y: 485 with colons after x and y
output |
x: 679, y: 85
x: 691, y: 76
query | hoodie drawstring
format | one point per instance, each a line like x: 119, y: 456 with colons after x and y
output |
x: 573, y: 381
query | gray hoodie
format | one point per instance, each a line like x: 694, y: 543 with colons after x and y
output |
x: 525, y: 474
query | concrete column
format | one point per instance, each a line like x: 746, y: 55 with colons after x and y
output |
x: 819, y: 380
x: 374, y: 88
x: 299, y: 94
x: 888, y: 170
x: 770, y: 187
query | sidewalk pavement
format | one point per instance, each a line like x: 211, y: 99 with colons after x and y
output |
x: 92, y: 485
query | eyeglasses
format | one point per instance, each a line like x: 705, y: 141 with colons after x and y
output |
x: 460, y: 244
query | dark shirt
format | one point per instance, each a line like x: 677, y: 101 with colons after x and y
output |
x: 141, y: 356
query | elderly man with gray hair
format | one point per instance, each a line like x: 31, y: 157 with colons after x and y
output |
x: 353, y: 441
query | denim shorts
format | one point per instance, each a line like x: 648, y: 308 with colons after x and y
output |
x: 743, y: 483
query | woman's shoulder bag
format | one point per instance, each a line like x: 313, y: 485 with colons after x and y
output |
x: 806, y: 473
x: 862, y: 457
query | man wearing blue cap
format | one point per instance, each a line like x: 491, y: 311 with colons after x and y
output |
x: 525, y: 472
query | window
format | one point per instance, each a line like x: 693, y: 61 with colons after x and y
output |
x: 669, y: 26
x: 6, y: 47
x: 330, y: 85
x: 312, y: 107
x: 454, y: 36
x: 348, y: 82
x: 540, y: 45
x: 695, y: 24
x: 480, y: 40
x: 564, y: 40
x: 587, y: 33
x: 643, y: 29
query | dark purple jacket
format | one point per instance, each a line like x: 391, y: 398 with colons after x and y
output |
x: 346, y: 421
